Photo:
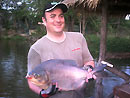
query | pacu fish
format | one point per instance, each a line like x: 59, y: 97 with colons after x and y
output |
x: 65, y: 73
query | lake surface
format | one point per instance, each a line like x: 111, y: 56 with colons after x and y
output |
x: 13, y: 68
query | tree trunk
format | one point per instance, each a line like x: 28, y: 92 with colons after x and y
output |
x: 83, y: 22
x: 27, y: 25
x: 70, y: 23
x: 15, y: 24
x: 118, y: 26
x: 80, y: 25
x: 103, y: 36
x: 0, y: 26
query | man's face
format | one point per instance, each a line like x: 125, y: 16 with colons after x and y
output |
x: 54, y: 21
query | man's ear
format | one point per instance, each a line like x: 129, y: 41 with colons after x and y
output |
x: 44, y: 21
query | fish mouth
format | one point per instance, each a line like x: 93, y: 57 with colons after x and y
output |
x: 37, y: 83
x: 42, y: 84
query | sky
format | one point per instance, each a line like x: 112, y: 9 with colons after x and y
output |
x: 127, y: 17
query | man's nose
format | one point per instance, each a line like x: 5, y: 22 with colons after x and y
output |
x: 58, y: 19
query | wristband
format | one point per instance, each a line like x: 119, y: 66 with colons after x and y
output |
x: 43, y: 94
x: 48, y: 92
x: 53, y: 90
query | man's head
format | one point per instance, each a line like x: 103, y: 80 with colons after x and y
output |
x: 50, y: 6
x: 53, y: 17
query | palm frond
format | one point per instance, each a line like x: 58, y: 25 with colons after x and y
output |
x: 90, y: 3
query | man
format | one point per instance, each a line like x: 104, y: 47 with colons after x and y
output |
x: 57, y: 44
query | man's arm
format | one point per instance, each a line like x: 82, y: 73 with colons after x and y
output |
x: 33, y: 61
x: 87, y: 57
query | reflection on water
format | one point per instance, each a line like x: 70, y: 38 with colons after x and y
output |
x: 13, y: 67
x: 13, y: 70
x: 109, y: 83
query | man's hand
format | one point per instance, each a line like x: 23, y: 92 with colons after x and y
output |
x: 89, y: 68
x: 90, y: 76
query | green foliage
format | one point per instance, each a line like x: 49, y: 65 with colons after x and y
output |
x: 93, y: 23
x: 16, y: 37
x: 93, y: 44
x: 39, y: 32
x: 71, y: 12
x: 118, y: 26
x: 114, y: 44
x: 118, y: 44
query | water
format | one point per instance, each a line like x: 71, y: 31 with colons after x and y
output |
x: 13, y: 68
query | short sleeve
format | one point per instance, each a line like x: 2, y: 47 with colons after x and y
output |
x: 33, y: 59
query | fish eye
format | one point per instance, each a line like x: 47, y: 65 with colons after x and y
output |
x: 36, y: 75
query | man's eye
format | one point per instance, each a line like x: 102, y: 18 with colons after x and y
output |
x: 36, y: 76
x: 52, y: 16
x: 62, y: 16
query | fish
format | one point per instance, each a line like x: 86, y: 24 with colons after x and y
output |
x: 66, y: 73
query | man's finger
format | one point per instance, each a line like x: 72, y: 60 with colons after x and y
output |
x: 94, y: 77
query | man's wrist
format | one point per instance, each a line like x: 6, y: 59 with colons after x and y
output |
x: 43, y: 94
x: 48, y: 92
x: 88, y: 67
x: 92, y: 63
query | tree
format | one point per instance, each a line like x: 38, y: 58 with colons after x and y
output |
x: 70, y: 19
x: 103, y: 35
x: 15, y: 11
x: 0, y: 23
